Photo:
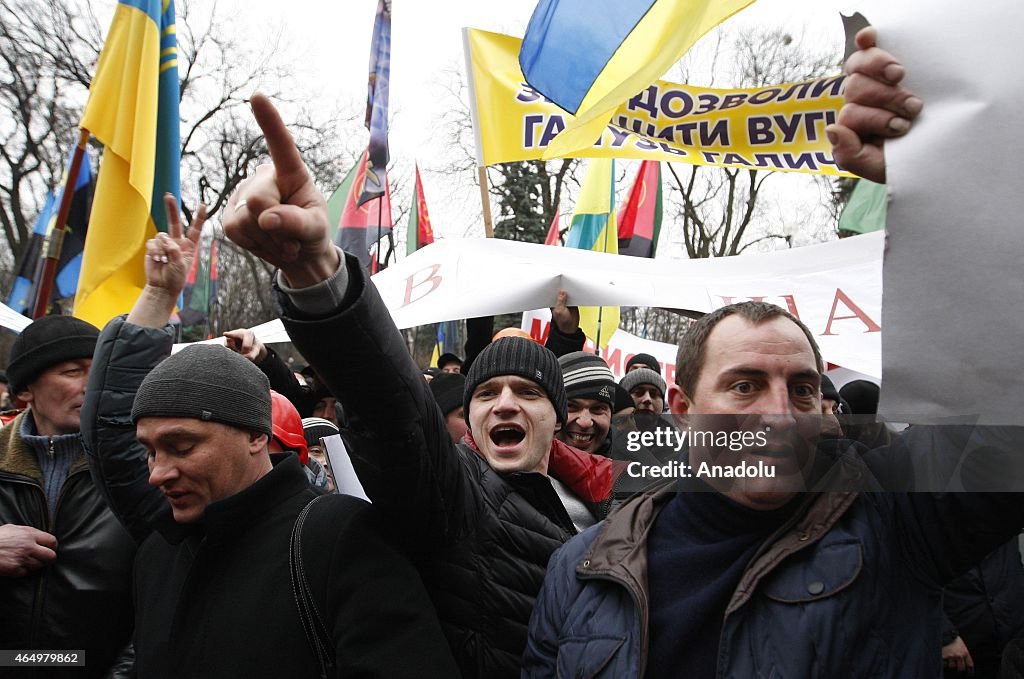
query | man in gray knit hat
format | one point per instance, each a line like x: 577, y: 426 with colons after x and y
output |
x: 57, y: 534
x: 647, y: 388
x: 214, y: 512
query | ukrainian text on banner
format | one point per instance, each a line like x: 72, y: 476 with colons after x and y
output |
x: 772, y: 128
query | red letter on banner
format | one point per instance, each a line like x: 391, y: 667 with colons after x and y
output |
x: 857, y: 313
x: 432, y: 278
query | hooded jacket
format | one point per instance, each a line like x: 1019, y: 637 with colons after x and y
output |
x: 482, y: 539
x: 82, y: 600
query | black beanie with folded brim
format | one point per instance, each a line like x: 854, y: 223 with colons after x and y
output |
x: 45, y: 343
x: 207, y: 382
x: 523, y: 358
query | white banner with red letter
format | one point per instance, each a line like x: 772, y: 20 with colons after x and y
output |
x: 835, y: 288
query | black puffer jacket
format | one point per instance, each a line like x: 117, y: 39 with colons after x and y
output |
x: 81, y: 601
x: 482, y: 539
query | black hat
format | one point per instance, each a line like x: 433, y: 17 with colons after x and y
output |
x: 521, y: 357
x: 587, y: 376
x: 828, y: 391
x: 448, y: 389
x: 207, y: 382
x: 622, y: 399
x: 445, y: 359
x: 316, y: 428
x: 644, y: 359
x: 46, y: 342
x: 862, y: 397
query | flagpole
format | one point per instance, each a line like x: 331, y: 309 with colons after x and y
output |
x: 55, y: 239
x: 607, y: 233
x: 485, y: 199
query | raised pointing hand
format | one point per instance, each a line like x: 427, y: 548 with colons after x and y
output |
x: 278, y: 214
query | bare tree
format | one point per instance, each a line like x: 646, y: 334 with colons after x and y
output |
x: 48, y: 55
x: 528, y: 193
x: 719, y: 211
x: 717, y: 206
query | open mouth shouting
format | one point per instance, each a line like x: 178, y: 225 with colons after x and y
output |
x: 506, y: 437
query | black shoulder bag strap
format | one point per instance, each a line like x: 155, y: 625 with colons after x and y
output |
x: 312, y: 621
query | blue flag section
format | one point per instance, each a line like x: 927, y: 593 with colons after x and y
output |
x: 377, y: 105
x: 166, y: 172
x: 23, y: 292
x: 562, y: 55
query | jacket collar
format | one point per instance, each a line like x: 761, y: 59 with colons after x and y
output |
x: 17, y: 457
x: 620, y: 549
x: 588, y: 476
x: 233, y: 515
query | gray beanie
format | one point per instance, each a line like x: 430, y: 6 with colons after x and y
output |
x: 521, y: 357
x: 207, y: 382
x: 587, y: 376
x: 642, y: 376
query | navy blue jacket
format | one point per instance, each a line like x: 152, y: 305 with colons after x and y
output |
x: 850, y: 586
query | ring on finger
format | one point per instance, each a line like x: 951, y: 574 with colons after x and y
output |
x: 240, y: 204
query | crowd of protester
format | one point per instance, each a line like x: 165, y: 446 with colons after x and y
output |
x: 178, y: 515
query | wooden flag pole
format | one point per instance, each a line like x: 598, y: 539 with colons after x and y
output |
x: 55, y: 239
x: 485, y: 200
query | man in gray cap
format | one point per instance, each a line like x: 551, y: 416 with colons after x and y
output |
x: 647, y: 389
x: 215, y: 512
x: 65, y: 561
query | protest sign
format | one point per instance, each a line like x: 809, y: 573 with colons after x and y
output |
x: 781, y: 127
x: 953, y: 272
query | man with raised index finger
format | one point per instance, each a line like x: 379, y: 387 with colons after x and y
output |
x: 481, y: 519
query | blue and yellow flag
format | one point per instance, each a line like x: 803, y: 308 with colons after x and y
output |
x: 133, y: 111
x: 593, y: 228
x: 590, y: 56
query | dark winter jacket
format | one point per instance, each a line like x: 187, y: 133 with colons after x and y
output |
x: 214, y: 598
x: 848, y: 587
x: 82, y: 601
x: 985, y: 607
x: 482, y: 539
